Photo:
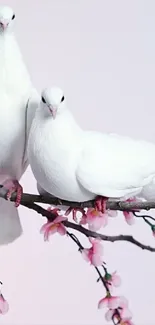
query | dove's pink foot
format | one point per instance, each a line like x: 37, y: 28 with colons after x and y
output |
x: 100, y: 203
x: 14, y: 186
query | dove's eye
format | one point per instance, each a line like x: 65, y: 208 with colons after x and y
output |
x: 43, y: 100
x: 62, y: 99
x: 13, y: 17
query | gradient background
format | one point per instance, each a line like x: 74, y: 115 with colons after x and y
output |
x: 102, y: 53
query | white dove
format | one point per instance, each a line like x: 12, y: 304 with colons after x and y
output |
x: 77, y: 165
x: 18, y: 101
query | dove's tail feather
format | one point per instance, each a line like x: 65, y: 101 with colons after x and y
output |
x: 10, y: 226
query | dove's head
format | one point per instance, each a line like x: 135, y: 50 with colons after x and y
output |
x: 53, y: 100
x: 7, y: 17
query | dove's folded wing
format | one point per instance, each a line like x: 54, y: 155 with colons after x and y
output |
x: 115, y: 166
x: 32, y: 105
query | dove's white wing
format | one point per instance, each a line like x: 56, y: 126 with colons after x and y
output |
x: 32, y: 105
x: 115, y: 166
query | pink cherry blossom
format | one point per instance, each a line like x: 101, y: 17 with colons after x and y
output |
x: 4, y: 306
x: 129, y: 216
x: 94, y: 253
x: 112, y: 302
x: 50, y: 228
x: 112, y: 279
x: 96, y: 219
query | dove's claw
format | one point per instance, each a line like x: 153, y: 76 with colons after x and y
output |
x: 14, y: 186
x: 100, y: 203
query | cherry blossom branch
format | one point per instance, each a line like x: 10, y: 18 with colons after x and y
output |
x: 87, y: 232
x: 28, y: 200
x: 116, y: 313
x: 48, y: 199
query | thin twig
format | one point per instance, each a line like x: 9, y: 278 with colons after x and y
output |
x: 143, y: 216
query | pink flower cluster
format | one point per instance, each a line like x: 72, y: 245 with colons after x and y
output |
x: 98, y: 218
x: 117, y: 308
x: 117, y: 305
x: 94, y: 217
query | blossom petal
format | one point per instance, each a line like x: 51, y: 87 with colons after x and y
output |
x: 4, y: 306
x: 103, y: 303
x: 61, y: 229
x: 123, y: 302
x: 44, y: 227
x: 113, y: 302
x: 83, y: 220
x: 109, y: 315
x: 95, y: 224
x: 96, y: 219
x: 126, y: 314
x: 59, y: 219
x: 97, y: 248
x: 116, y: 280
x: 49, y: 232
x: 129, y: 217
x: 104, y: 219
x: 96, y: 260
x: 85, y: 254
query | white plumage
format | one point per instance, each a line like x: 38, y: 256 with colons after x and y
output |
x: 78, y: 165
x: 18, y: 101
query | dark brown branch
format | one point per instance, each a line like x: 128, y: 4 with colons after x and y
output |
x: 47, y: 199
x: 29, y: 199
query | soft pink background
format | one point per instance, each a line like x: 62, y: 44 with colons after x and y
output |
x: 103, y: 54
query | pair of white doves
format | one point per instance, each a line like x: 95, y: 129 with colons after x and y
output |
x: 66, y: 161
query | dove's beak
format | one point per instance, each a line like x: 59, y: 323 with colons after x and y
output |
x: 3, y: 25
x: 53, y: 111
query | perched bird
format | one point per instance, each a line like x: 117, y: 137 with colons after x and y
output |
x: 78, y: 165
x: 18, y: 101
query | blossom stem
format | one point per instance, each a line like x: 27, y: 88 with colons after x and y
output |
x: 75, y: 239
x: 103, y: 280
x: 144, y: 216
